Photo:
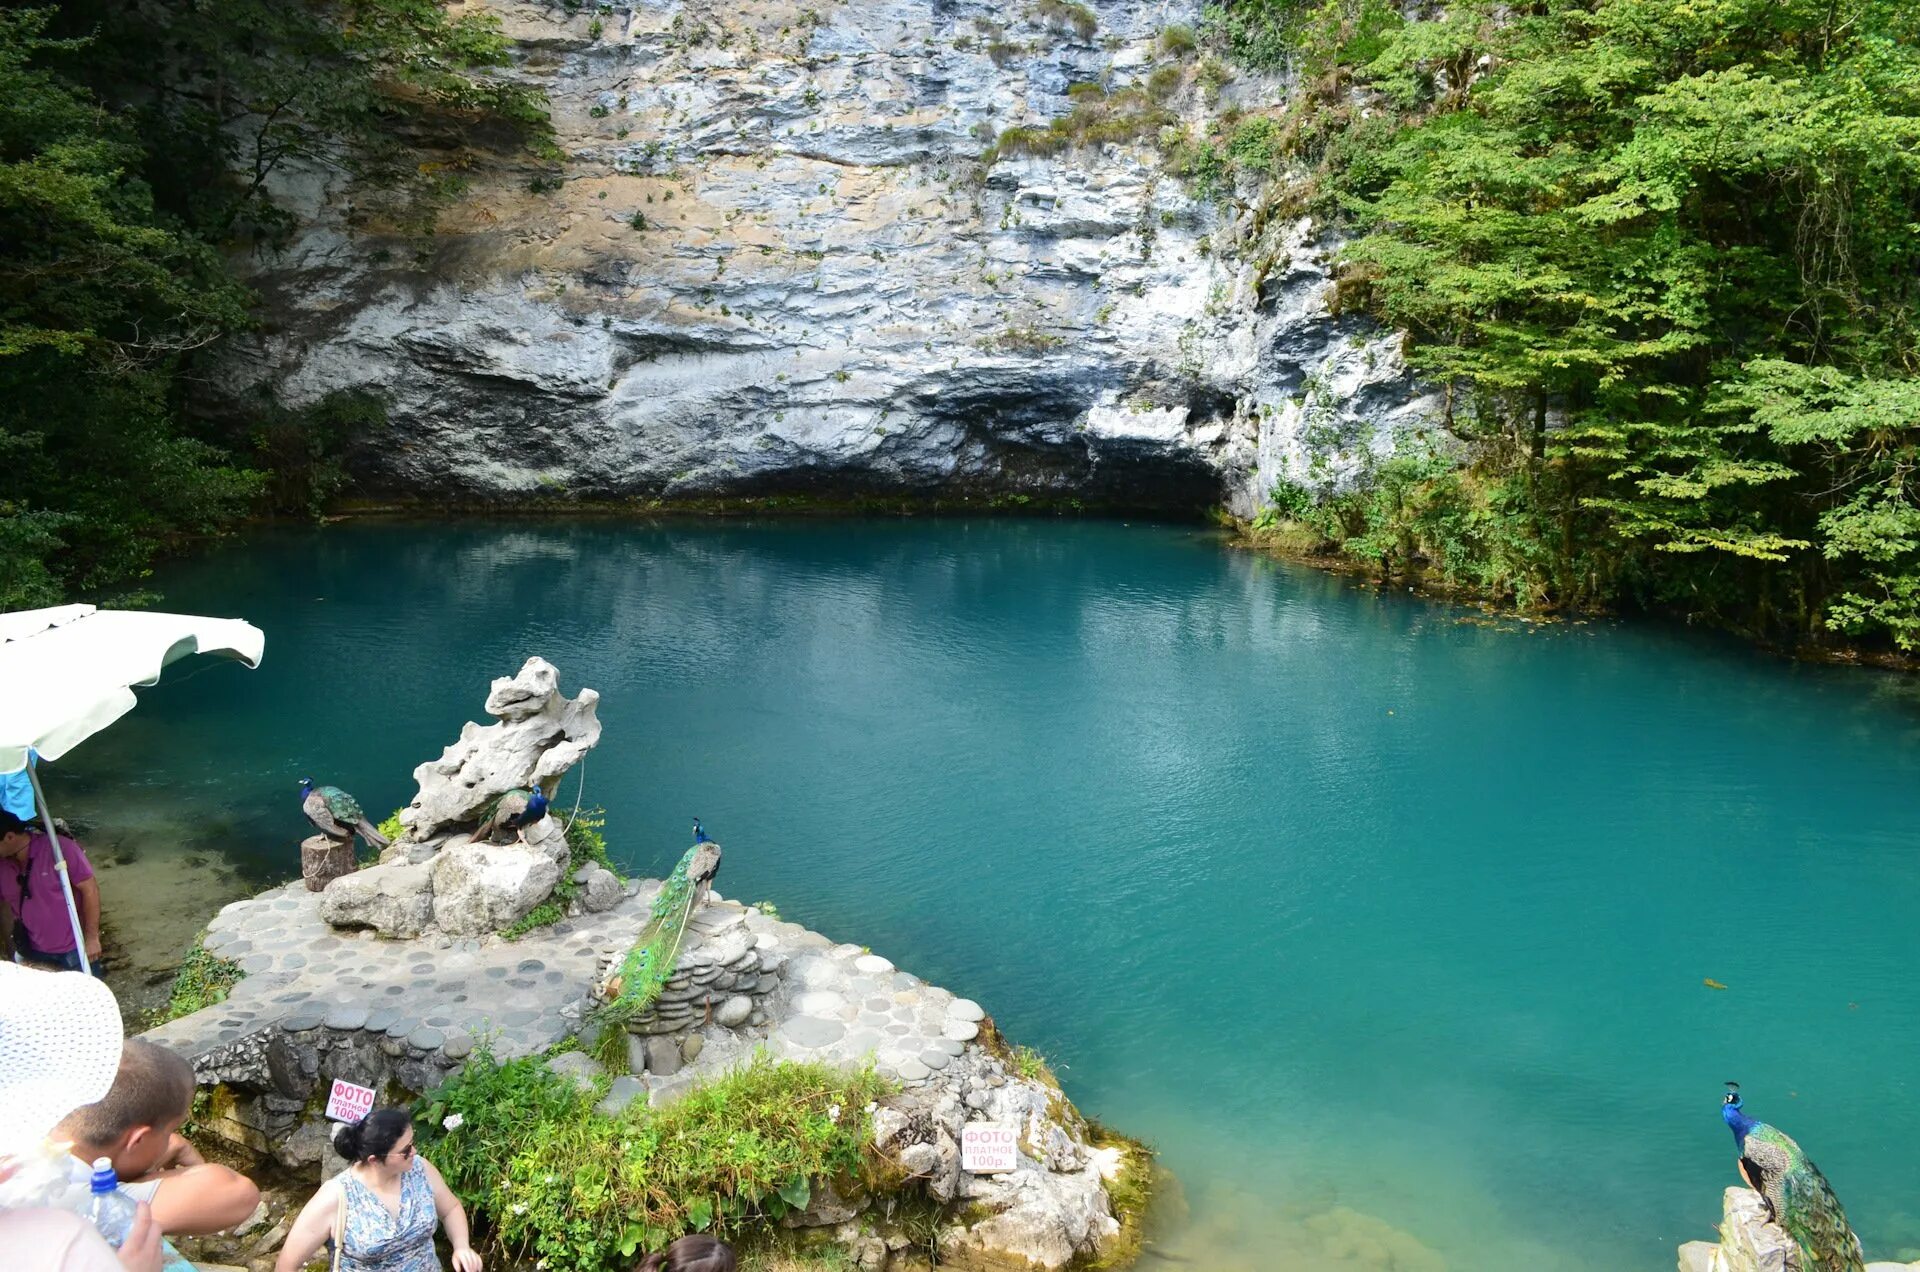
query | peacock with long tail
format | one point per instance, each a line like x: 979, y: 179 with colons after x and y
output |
x: 637, y: 981
x: 512, y: 814
x: 1798, y: 1196
x: 336, y: 814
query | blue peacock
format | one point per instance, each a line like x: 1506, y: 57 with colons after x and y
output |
x: 512, y: 814
x: 336, y: 814
x: 1797, y: 1195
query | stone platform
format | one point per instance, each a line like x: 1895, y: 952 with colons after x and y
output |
x: 318, y: 1003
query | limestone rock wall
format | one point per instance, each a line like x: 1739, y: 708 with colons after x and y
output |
x: 775, y: 263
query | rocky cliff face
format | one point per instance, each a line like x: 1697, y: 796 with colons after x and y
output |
x: 776, y: 262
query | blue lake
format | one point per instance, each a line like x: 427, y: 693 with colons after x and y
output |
x: 1386, y: 921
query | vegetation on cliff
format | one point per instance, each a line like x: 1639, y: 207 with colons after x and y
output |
x: 138, y: 148
x: 1666, y: 257
x: 551, y: 1179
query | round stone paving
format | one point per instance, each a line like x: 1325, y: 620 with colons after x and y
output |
x: 812, y: 1031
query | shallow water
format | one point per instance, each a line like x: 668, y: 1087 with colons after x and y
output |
x: 1386, y: 922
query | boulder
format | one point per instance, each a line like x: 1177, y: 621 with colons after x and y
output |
x: 481, y: 888
x: 1748, y: 1241
x: 1042, y: 1216
x: 601, y: 891
x: 539, y: 734
x: 394, y: 899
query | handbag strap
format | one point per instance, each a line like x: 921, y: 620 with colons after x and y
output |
x: 339, y: 1228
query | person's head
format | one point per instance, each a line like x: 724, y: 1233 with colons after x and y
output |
x: 15, y: 834
x: 134, y: 1125
x: 695, y: 1253
x: 60, y: 1048
x: 382, y: 1140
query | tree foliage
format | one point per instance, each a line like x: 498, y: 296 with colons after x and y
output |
x: 138, y: 149
x: 1665, y: 257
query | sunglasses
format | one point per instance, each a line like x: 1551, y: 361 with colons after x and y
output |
x: 404, y: 1153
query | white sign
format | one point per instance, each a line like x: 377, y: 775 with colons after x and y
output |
x: 349, y: 1103
x: 988, y: 1148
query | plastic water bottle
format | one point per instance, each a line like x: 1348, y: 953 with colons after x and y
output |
x: 109, y: 1209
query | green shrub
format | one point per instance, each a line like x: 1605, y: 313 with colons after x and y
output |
x: 555, y: 1181
x: 1177, y: 41
x: 203, y: 979
x: 1063, y: 15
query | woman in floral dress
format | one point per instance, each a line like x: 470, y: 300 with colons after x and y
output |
x: 386, y: 1204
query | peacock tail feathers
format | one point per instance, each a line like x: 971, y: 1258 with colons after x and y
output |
x: 648, y: 964
x: 1803, y: 1203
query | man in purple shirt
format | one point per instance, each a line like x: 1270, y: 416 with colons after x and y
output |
x: 33, y: 910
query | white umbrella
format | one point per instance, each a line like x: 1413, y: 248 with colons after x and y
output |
x: 66, y: 673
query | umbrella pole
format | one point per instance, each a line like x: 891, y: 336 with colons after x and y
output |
x: 60, y: 865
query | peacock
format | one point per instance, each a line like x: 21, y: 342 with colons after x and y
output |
x: 699, y: 834
x: 1797, y: 1195
x: 336, y: 814
x: 515, y: 811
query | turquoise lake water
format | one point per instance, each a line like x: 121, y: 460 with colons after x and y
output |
x: 1387, y: 922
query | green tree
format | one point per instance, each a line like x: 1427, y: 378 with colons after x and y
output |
x: 1664, y: 257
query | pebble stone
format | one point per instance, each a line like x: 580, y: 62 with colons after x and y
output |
x: 912, y: 1071
x: 812, y: 1031
x: 426, y: 1038
x: 965, y: 1009
x: 347, y: 1016
x: 961, y: 1031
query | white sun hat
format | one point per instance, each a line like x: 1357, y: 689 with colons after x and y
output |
x: 60, y: 1041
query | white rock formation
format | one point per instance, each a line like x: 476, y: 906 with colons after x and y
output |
x: 483, y: 888
x: 776, y: 262
x: 540, y: 734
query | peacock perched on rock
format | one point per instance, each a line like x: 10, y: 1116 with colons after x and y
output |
x: 336, y: 814
x: 1797, y: 1195
x: 515, y: 811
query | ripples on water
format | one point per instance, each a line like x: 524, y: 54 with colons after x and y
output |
x: 1386, y: 922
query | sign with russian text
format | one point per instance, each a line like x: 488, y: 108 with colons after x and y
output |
x: 349, y: 1103
x: 988, y: 1148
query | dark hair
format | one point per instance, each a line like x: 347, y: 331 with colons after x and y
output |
x: 372, y: 1136
x: 153, y: 1088
x: 695, y: 1253
x: 12, y: 825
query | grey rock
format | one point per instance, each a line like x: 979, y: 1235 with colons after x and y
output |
x: 480, y: 888
x: 1075, y: 323
x: 912, y: 1070
x: 601, y: 892
x: 621, y: 1092
x: 663, y: 1056
x: 577, y: 1067
x: 395, y: 900
x: 734, y: 1011
x: 965, y: 1009
x: 691, y: 1048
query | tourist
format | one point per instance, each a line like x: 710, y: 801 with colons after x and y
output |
x: 696, y: 1253
x: 137, y: 1126
x: 59, y: 1048
x: 386, y: 1204
x: 34, y: 924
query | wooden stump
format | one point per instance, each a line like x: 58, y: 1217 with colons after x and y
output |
x: 322, y: 860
